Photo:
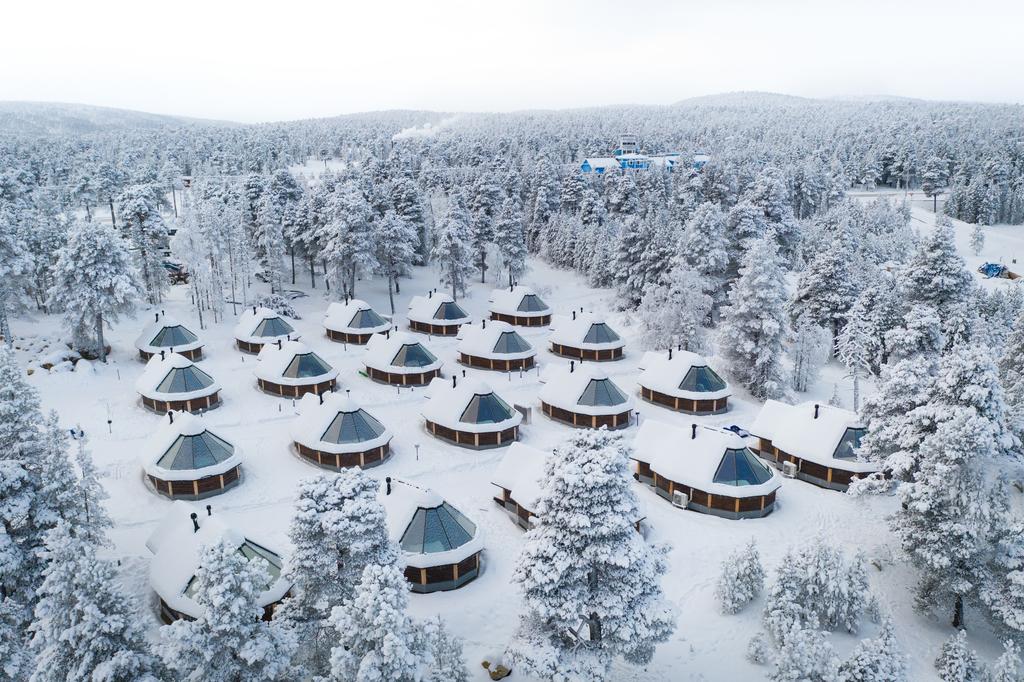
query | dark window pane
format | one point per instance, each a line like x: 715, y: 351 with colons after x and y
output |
x: 273, y: 326
x: 352, y: 427
x: 364, y: 319
x: 169, y: 337
x: 486, y: 409
x: 413, y: 355
x: 849, y: 443
x: 306, y: 365
x: 412, y: 539
x: 511, y: 342
x: 532, y: 303
x: 450, y: 311
x: 702, y: 380
x: 184, y: 380
x: 457, y: 535
x: 741, y: 467
x: 434, y: 537
x: 600, y: 333
x: 601, y: 392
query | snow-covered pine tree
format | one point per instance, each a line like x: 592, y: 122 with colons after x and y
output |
x: 957, y: 662
x: 591, y: 590
x: 827, y: 288
x: 449, y: 663
x: 24, y: 515
x: 338, y: 529
x: 94, y: 283
x: 396, y: 249
x: 876, y: 660
x: 753, y: 326
x: 936, y: 274
x: 229, y: 642
x: 805, y: 655
x: 483, y: 205
x: 760, y: 649
x: 877, y: 310
x: 85, y: 628
x: 808, y: 351
x: 853, y: 349
x: 741, y: 579
x: 376, y: 638
x: 894, y: 430
x: 347, y: 237
x: 452, y: 245
x: 977, y: 239
x: 15, y: 267
x: 544, y: 201
x: 1003, y: 590
x: 510, y: 240
x: 673, y: 313
x: 706, y: 248
x: 1008, y: 667
x: 409, y: 205
x: 144, y: 228
x: 269, y: 241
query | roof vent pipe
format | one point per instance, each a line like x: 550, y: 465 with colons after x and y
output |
x: 170, y: 416
x: 209, y: 510
x: 572, y: 366
x: 816, y: 406
x: 693, y: 433
x: 483, y: 323
x: 156, y: 317
x: 195, y: 522
x: 388, y: 482
x: 670, y: 353
x: 163, y: 355
x: 279, y: 344
x: 454, y: 380
x: 430, y: 294
x: 574, y: 314
x: 321, y: 398
x: 463, y: 373
x: 254, y: 310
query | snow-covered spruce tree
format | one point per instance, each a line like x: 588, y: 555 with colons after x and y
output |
x: 805, y: 655
x: 229, y: 642
x: 1011, y: 375
x: 895, y: 428
x: 877, y: 310
x: 760, y: 649
x: 24, y: 515
x: 957, y: 662
x: 876, y: 660
x: 347, y: 237
x: 376, y: 639
x: 94, y: 283
x: 452, y: 250
x: 483, y: 206
x: 145, y: 230
x: 510, y: 240
x: 15, y: 267
x: 1003, y: 590
x: 339, y: 528
x: 977, y: 239
x: 409, y: 205
x: 808, y: 351
x: 1008, y: 667
x: 396, y: 248
x: 590, y: 582
x: 269, y: 241
x: 854, y: 350
x: 448, y: 661
x: 827, y: 288
x: 634, y: 241
x: 753, y: 326
x: 85, y: 628
x: 706, y: 248
x: 741, y: 579
x: 673, y: 313
x: 936, y: 274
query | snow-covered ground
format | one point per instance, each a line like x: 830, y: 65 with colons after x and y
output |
x: 707, y: 645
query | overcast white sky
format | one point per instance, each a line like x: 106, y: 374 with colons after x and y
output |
x: 260, y: 61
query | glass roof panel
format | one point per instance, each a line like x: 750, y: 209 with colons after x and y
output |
x: 848, y: 444
x: 449, y: 311
x: 532, y: 303
x: 702, y: 380
x: 601, y: 392
x: 364, y: 319
x: 413, y: 355
x: 352, y: 427
x: 273, y: 326
x: 599, y: 332
x: 306, y: 365
x: 486, y: 409
x: 185, y: 380
x: 741, y: 467
x: 169, y: 337
x: 511, y: 342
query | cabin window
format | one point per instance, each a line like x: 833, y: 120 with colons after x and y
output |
x: 599, y: 332
x: 273, y: 326
x: 437, y: 530
x: 601, y: 392
x: 196, y: 452
x: 848, y: 444
x: 450, y: 311
x: 352, y: 427
x: 185, y: 380
x: 532, y: 303
x: 413, y: 355
x: 306, y: 365
x: 366, y: 319
x: 486, y: 409
x: 702, y: 380
x: 511, y: 342
x: 169, y: 337
x: 740, y: 467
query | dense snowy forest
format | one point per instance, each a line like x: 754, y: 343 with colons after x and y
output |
x: 793, y: 254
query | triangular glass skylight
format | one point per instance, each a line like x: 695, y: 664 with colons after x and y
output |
x: 196, y: 452
x: 511, y: 342
x: 185, y: 380
x: 413, y: 355
x: 601, y: 392
x: 599, y: 332
x: 437, y: 530
x: 741, y: 467
x: 486, y: 409
x: 365, y: 319
x: 169, y: 337
x: 306, y: 365
x: 848, y: 444
x: 273, y: 326
x: 352, y: 427
x: 532, y: 303
x: 449, y: 311
x: 702, y: 380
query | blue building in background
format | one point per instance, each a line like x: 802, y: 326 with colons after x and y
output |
x: 627, y: 156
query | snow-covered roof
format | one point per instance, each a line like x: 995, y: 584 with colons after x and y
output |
x: 596, y: 162
x: 684, y: 375
x: 589, y: 331
x: 709, y: 459
x: 494, y: 340
x: 174, y: 377
x: 166, y: 333
x: 521, y: 472
x: 177, y: 550
x: 263, y: 325
x: 293, y: 364
x: 795, y: 430
x: 394, y: 352
x: 424, y: 541
x: 337, y: 426
x: 471, y: 405
x: 355, y: 317
x: 439, y: 308
x: 183, y: 449
x: 519, y: 301
x: 585, y: 390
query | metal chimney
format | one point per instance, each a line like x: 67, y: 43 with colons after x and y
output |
x: 195, y: 522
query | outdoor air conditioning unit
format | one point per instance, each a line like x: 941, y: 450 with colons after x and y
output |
x: 680, y: 499
x: 789, y: 469
x: 526, y: 411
